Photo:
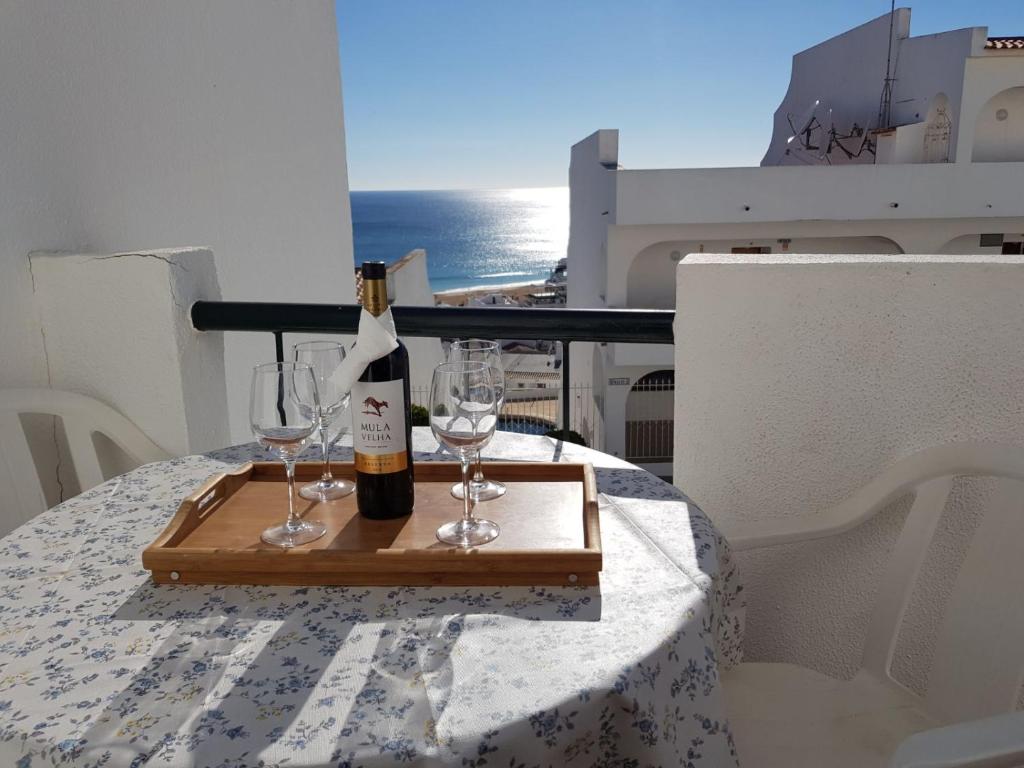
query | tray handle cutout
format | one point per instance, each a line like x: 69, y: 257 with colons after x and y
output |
x: 209, y: 502
x: 201, y: 504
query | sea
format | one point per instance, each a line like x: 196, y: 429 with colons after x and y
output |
x: 473, y: 238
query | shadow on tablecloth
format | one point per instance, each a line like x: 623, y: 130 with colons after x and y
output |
x: 254, y: 666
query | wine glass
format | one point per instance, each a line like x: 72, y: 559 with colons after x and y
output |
x: 463, y: 415
x: 325, y: 357
x: 489, y: 352
x: 283, y: 412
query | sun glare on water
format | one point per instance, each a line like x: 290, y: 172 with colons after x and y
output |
x: 546, y: 225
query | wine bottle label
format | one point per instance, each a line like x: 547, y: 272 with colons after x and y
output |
x: 378, y: 426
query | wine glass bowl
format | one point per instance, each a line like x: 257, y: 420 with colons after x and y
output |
x: 463, y: 416
x: 325, y: 357
x: 489, y: 352
x: 284, y: 410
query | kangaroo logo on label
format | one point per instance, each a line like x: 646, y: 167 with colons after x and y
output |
x: 376, y: 405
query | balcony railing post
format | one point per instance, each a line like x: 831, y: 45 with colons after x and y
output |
x: 279, y: 356
x: 565, y: 391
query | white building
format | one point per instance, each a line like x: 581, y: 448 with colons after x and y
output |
x: 942, y: 175
x: 142, y: 125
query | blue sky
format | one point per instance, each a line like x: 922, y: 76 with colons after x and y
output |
x: 465, y: 94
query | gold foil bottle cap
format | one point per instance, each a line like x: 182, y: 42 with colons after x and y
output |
x: 375, y: 287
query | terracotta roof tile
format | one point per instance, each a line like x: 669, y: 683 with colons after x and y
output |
x: 1005, y: 43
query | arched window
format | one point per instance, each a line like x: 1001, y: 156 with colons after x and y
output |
x: 999, y: 128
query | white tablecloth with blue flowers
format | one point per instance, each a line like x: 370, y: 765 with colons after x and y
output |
x: 100, y: 667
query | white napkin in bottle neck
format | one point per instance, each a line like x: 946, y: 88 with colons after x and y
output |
x: 376, y: 338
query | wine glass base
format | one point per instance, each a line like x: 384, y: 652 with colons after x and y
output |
x: 476, y: 533
x: 327, y: 491
x: 485, y: 491
x: 285, y: 536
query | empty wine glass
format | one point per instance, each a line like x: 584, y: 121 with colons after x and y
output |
x: 489, y: 352
x: 325, y: 357
x: 283, y: 412
x: 463, y: 415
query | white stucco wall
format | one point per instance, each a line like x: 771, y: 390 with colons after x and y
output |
x: 986, y: 78
x: 129, y: 126
x: 116, y: 327
x: 651, y: 278
x: 937, y: 191
x: 592, y: 200
x: 999, y: 128
x: 592, y: 207
x: 926, y: 66
x: 410, y: 287
x: 615, y: 398
x: 799, y: 379
x: 919, y: 208
x: 845, y: 73
x: 408, y: 281
x: 903, y: 145
x: 657, y: 241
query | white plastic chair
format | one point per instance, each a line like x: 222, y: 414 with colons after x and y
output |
x: 787, y: 715
x: 82, y: 417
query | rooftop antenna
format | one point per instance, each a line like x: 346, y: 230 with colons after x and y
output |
x: 805, y: 126
x: 819, y: 140
x: 885, y: 104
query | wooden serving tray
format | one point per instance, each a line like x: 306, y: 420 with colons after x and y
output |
x: 550, y: 533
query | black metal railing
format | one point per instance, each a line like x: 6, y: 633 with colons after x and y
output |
x: 635, y: 326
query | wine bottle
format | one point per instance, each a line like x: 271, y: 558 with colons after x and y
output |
x: 381, y: 420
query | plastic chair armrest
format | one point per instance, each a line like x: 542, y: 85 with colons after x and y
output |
x: 994, y: 742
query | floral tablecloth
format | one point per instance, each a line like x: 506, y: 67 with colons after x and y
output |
x: 99, y: 667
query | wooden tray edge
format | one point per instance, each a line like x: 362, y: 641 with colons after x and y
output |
x: 391, y: 579
x: 230, y: 481
x: 160, y: 559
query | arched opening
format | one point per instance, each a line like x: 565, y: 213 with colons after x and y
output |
x: 650, y: 418
x: 651, y: 283
x: 999, y: 128
x: 651, y: 280
x: 1003, y: 243
x: 937, y: 130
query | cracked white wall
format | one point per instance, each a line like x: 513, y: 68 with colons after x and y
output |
x: 117, y: 328
x: 44, y: 434
x: 131, y: 126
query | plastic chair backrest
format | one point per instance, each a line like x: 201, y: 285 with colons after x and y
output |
x: 978, y: 664
x: 82, y: 417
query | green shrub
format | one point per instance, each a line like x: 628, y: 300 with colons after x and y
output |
x: 420, y: 416
x: 574, y: 437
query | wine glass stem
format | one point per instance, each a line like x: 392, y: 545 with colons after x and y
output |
x: 478, y: 475
x: 467, y: 502
x: 289, y: 470
x: 327, y: 476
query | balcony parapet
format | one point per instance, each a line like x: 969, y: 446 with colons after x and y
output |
x: 809, y: 193
x: 810, y: 377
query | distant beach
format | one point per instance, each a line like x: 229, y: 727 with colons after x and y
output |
x: 458, y: 297
x: 477, y: 241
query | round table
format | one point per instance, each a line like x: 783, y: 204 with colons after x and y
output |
x: 100, y: 667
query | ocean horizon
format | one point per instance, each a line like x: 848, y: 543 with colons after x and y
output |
x: 473, y: 238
